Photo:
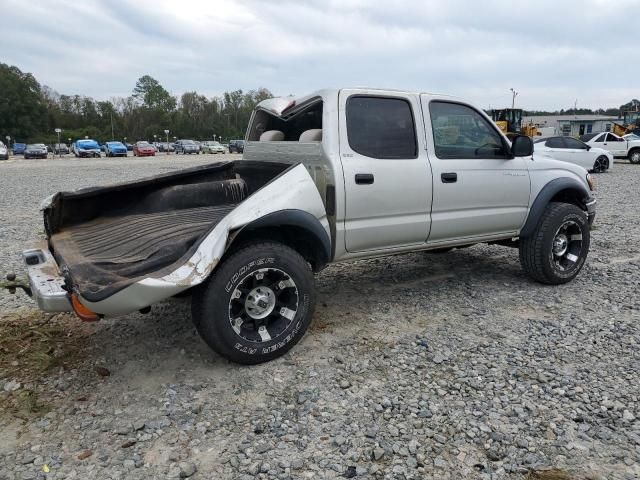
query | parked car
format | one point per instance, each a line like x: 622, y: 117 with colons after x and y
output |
x: 144, y: 149
x: 165, y: 147
x: 212, y: 147
x: 86, y: 148
x: 115, y: 149
x: 60, y: 149
x: 103, y: 147
x: 569, y: 149
x: 129, y: 147
x: 4, y: 152
x: 36, y: 150
x: 617, y: 146
x: 404, y: 172
x: 18, y: 148
x: 186, y: 146
x: 49, y: 148
x: 236, y: 146
x: 199, y: 145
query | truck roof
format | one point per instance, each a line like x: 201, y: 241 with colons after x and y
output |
x: 278, y: 105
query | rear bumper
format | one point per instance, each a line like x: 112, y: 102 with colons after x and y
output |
x: 46, y: 282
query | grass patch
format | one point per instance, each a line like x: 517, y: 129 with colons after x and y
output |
x: 32, y: 346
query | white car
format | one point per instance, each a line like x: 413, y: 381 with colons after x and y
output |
x: 4, y: 152
x: 571, y: 150
x: 617, y: 146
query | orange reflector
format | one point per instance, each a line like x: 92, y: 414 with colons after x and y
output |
x: 82, y: 312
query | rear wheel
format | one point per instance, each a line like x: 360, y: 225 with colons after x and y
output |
x: 557, y: 249
x: 257, y: 305
x: 601, y: 164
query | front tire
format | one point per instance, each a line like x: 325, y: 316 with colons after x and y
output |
x: 257, y: 305
x: 634, y: 155
x: 557, y: 249
x: 601, y: 164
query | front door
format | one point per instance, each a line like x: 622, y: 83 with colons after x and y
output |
x: 478, y: 190
x: 386, y: 171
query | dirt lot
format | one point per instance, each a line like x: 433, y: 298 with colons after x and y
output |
x: 417, y: 366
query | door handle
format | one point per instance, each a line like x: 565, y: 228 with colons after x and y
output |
x: 364, y: 178
x: 450, y: 177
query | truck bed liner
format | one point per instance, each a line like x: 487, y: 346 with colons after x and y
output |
x: 108, y: 250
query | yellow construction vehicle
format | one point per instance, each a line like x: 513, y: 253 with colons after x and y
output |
x: 630, y: 123
x: 509, y: 120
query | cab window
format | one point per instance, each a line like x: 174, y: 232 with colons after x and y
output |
x: 381, y: 127
x: 459, y: 131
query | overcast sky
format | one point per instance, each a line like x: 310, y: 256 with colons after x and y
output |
x: 551, y: 52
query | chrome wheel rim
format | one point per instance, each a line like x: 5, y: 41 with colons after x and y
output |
x: 601, y: 165
x: 263, y: 305
x: 635, y: 157
x: 566, y: 247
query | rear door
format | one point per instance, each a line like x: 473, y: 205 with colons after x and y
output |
x: 386, y: 171
x: 478, y: 189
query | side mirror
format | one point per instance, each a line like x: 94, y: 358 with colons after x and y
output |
x: 588, y: 147
x: 521, y: 146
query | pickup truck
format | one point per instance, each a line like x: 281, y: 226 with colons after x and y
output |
x: 618, y: 146
x: 337, y: 175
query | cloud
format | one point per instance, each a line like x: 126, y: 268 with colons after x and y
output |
x: 551, y: 52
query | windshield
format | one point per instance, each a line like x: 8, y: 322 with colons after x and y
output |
x: 143, y: 144
x: 188, y: 142
x: 631, y: 136
x: 36, y: 145
x: 115, y: 144
x: 88, y: 144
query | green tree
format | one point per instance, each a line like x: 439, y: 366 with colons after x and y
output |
x: 152, y: 95
x: 23, y: 111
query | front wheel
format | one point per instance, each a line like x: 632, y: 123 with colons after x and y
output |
x: 634, y: 155
x: 557, y: 249
x: 257, y: 305
x: 601, y: 164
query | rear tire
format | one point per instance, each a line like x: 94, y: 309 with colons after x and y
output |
x: 257, y: 305
x: 558, y: 247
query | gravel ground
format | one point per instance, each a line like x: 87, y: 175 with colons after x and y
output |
x: 417, y: 366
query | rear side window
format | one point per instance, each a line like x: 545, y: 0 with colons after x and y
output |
x: 381, y: 127
x: 555, y: 142
x: 575, y: 144
x: 459, y: 131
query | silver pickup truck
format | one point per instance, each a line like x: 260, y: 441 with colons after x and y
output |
x: 336, y: 175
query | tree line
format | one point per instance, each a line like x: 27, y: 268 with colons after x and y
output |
x: 30, y: 112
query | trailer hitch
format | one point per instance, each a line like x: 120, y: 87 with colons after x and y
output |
x: 12, y: 284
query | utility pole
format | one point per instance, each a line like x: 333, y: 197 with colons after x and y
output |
x: 575, y: 109
x: 514, y: 94
x: 112, y: 137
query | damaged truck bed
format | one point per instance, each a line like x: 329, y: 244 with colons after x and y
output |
x: 108, y: 238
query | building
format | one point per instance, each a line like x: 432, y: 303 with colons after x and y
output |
x: 572, y: 125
